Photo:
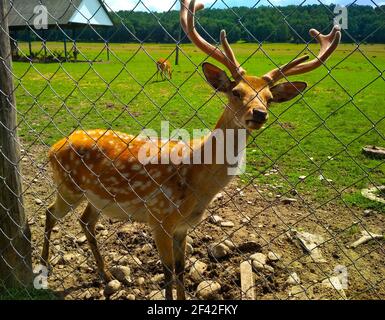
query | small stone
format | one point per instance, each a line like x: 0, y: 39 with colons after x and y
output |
x: 147, y: 247
x: 333, y: 282
x: 189, y: 248
x: 160, y: 295
x: 246, y: 219
x: 104, y: 233
x: 122, y: 273
x: 56, y: 259
x: 219, y: 251
x: 207, y: 289
x: 68, y: 257
x: 189, y: 240
x: 126, y: 229
x: 130, y: 296
x: 215, y: 219
x: 55, y: 229
x: 155, y: 295
x: 367, y: 212
x: 119, y: 295
x: 298, y: 292
x: 136, y: 291
x: 157, y: 278
x: 288, y: 200
x: 257, y: 265
x: 268, y: 268
x: 112, y: 287
x: 227, y: 224
x: 81, y: 240
x: 272, y: 256
x: 132, y: 260
x: 260, y: 257
x: 197, y: 269
x: 293, y: 279
x: 100, y: 227
x: 85, y: 295
x: 140, y: 281
x: 38, y: 202
x: 229, y: 244
x: 207, y: 238
x: 302, y: 177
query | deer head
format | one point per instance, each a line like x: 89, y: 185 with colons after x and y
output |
x: 250, y: 96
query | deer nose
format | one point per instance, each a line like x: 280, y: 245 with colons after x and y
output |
x: 259, y: 115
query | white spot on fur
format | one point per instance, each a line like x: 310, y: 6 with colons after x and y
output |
x: 137, y: 184
x: 136, y: 167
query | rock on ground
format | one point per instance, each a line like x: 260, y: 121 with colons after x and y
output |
x: 197, y: 269
x: 208, y: 289
x: 273, y: 256
x: 219, y: 251
x: 259, y: 257
x: 112, y: 287
x: 122, y: 273
x: 293, y: 279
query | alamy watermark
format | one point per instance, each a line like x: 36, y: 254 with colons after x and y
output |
x: 219, y: 147
x: 341, y: 272
x: 341, y: 16
x: 40, y: 20
x: 40, y: 282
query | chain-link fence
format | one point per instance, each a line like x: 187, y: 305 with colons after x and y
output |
x: 305, y: 220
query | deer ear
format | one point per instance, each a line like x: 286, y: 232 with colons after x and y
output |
x: 217, y: 78
x: 286, y: 91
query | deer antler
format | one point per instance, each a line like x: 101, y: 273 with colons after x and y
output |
x: 227, y: 58
x: 328, y: 44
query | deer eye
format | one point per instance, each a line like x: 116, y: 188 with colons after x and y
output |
x: 237, y: 94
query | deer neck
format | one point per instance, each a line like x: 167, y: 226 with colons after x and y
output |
x: 213, y: 177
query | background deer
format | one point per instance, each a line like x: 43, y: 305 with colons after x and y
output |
x: 164, y: 68
x: 102, y: 167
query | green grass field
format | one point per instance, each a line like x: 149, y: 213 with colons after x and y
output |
x: 338, y: 114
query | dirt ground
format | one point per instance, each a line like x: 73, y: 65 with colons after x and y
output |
x: 261, y: 223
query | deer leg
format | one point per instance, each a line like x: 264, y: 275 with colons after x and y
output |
x: 179, y: 248
x: 57, y: 210
x: 164, y: 243
x: 88, y: 222
x: 50, y: 222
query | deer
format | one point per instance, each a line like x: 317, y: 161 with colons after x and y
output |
x: 163, y: 67
x: 102, y: 168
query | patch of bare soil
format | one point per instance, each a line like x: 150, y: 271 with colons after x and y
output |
x: 261, y: 221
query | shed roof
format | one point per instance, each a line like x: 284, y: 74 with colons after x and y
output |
x: 62, y: 12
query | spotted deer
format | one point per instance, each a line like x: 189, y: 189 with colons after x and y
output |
x: 102, y: 166
x: 163, y: 67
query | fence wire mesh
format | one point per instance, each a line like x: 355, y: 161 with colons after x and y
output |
x: 292, y: 219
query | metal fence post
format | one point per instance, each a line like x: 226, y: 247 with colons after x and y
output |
x: 15, y: 237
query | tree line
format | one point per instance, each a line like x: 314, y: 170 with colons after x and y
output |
x: 281, y: 24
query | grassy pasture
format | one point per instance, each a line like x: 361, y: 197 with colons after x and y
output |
x: 338, y: 114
